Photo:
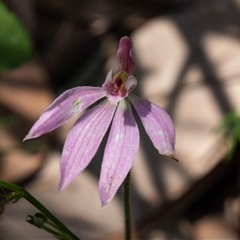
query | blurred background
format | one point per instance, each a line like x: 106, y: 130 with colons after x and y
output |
x: 188, y: 62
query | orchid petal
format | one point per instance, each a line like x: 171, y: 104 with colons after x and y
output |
x: 120, y: 152
x: 157, y: 123
x: 125, y: 60
x: 83, y: 141
x: 131, y: 83
x: 66, y: 106
x: 107, y: 80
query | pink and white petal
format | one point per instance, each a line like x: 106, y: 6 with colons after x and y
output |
x: 66, y: 106
x: 157, y: 123
x: 83, y: 141
x: 125, y: 60
x: 107, y: 81
x: 120, y: 152
x: 131, y: 83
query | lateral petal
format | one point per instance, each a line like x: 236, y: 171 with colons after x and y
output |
x: 120, y: 152
x: 157, y: 123
x: 66, y: 106
x: 131, y: 83
x: 83, y: 141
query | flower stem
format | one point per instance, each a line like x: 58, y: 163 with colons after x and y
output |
x: 27, y: 196
x: 127, y: 207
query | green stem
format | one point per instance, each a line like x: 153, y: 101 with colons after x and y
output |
x: 127, y: 207
x: 54, y: 233
x: 11, y: 199
x: 52, y: 225
x: 27, y: 196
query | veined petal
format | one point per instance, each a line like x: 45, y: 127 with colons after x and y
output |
x: 157, y: 123
x: 120, y: 152
x: 125, y: 60
x: 83, y: 141
x: 66, y: 106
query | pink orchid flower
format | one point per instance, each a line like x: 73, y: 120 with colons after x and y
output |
x: 115, y: 111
